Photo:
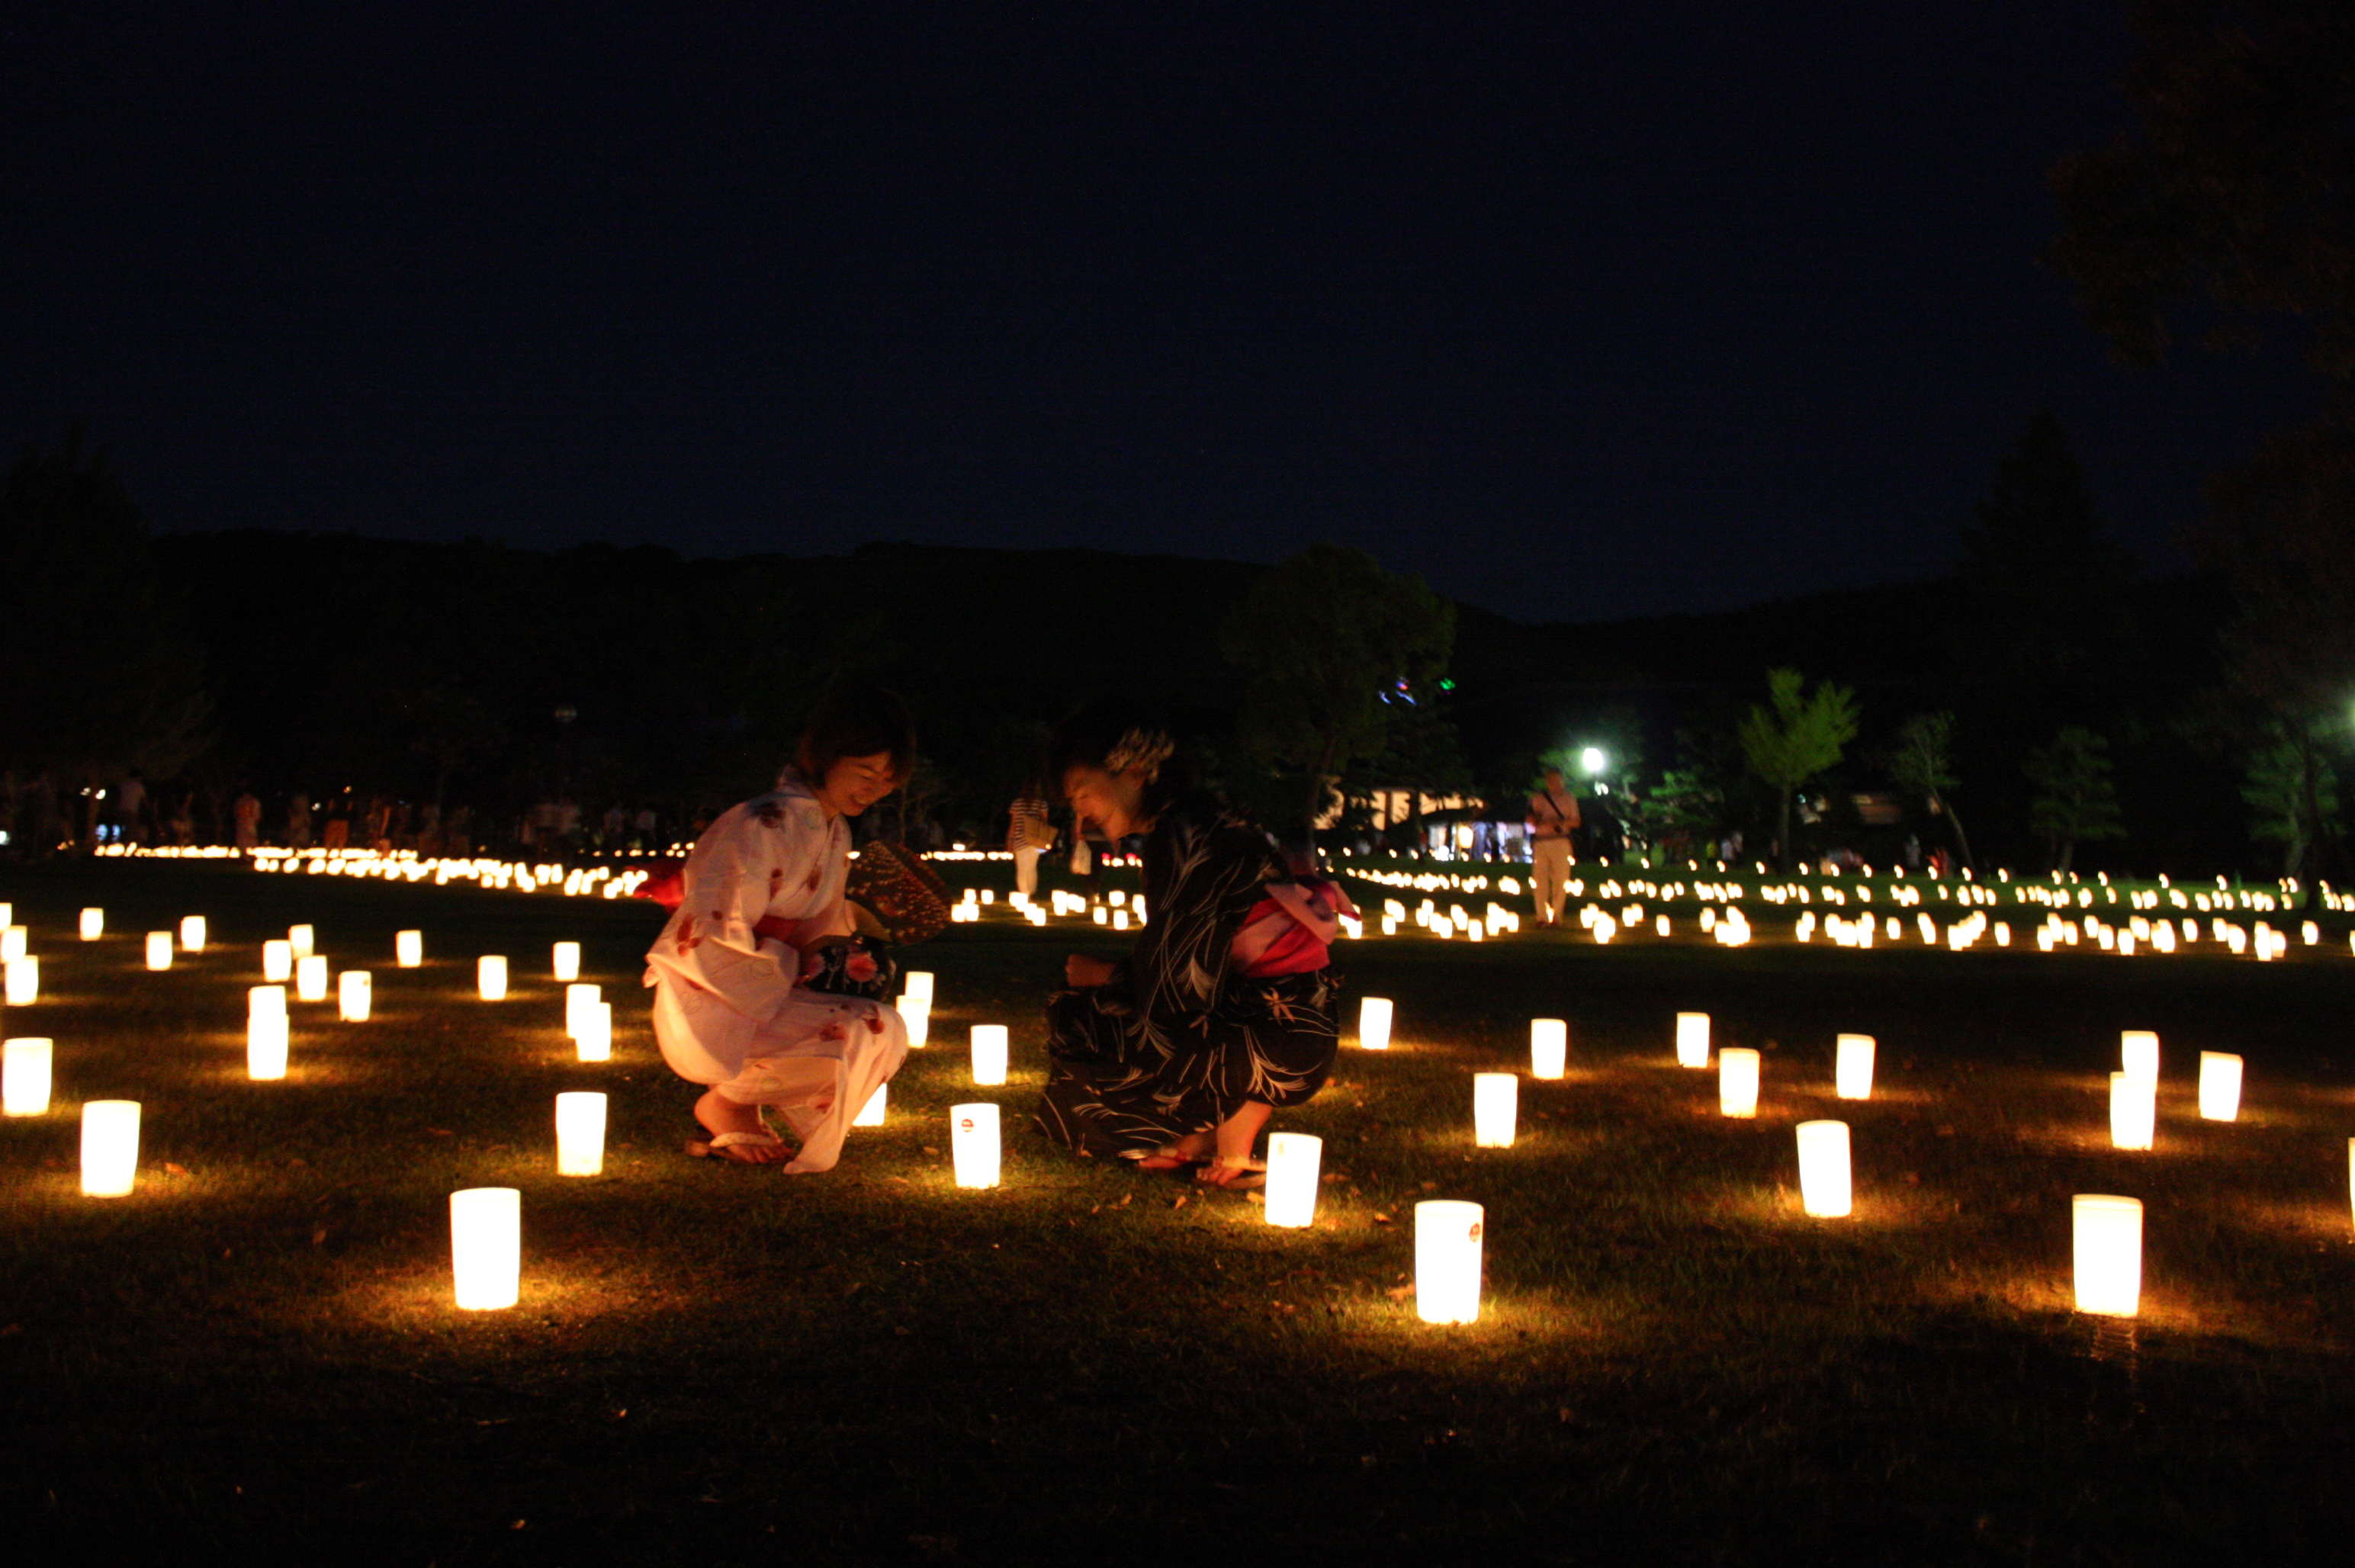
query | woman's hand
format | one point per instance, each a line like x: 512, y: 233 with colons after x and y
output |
x: 1082, y: 973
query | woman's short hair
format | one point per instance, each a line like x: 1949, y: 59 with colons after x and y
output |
x: 1113, y: 733
x: 856, y: 719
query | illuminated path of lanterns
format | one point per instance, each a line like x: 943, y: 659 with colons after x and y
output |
x: 2065, y: 918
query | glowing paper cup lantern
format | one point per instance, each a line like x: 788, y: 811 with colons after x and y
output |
x: 1823, y: 1186
x: 1852, y: 1068
x: 2134, y: 1110
x: 989, y: 1053
x: 159, y: 950
x: 302, y: 939
x: 12, y: 941
x: 2138, y: 1050
x: 1737, y: 1081
x: 870, y: 1114
x: 1447, y: 1261
x: 580, y: 1132
x: 2219, y: 1086
x: 2109, y: 1234
x: 487, y: 1247
x: 24, y: 980
x: 265, y: 1046
x: 920, y: 984
x: 491, y: 976
x: 310, y: 977
x: 1292, y: 1162
x: 355, y: 995
x: 973, y: 1144
x: 94, y: 924
x: 110, y: 1148
x: 916, y: 1012
x: 192, y: 933
x: 1496, y: 1106
x: 24, y: 1070
x: 593, y: 1040
x: 1548, y: 1047
x: 408, y: 948
x: 1692, y: 1040
x: 278, y: 960
x: 1374, y: 1023
x: 567, y: 960
x: 578, y: 997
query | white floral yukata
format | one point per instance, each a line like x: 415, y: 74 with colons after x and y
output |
x: 762, y: 883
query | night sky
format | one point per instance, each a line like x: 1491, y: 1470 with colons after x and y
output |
x: 1579, y: 313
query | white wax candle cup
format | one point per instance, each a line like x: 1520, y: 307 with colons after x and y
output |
x: 1852, y: 1067
x: 278, y: 960
x: 594, y: 1040
x: 2219, y: 1086
x: 2107, y: 1233
x: 487, y: 1247
x: 916, y: 1012
x: 192, y: 933
x: 919, y: 984
x: 24, y: 1077
x: 1374, y: 1023
x: 2138, y: 1050
x: 1692, y: 1040
x: 973, y: 1144
x: 355, y: 995
x: 1447, y: 1247
x: 1548, y: 1047
x: 265, y: 1046
x: 2134, y: 1110
x: 310, y: 977
x: 580, y: 1133
x: 1824, y: 1182
x: 110, y: 1148
x: 23, y: 984
x: 159, y: 950
x: 94, y: 924
x: 407, y: 949
x: 1737, y: 1081
x: 1496, y: 1106
x: 578, y: 997
x: 302, y: 939
x: 871, y: 1113
x: 565, y: 961
x: 1292, y: 1162
x: 491, y: 977
x: 988, y: 1054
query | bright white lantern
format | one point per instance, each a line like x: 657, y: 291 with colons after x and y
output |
x: 973, y: 1144
x: 487, y: 1247
x: 355, y: 995
x: 919, y: 984
x: 580, y: 1133
x: 578, y: 997
x: 491, y: 978
x: 871, y: 1113
x: 2138, y: 1050
x: 310, y: 977
x: 1692, y: 1040
x: 110, y: 1148
x: 265, y: 1045
x: 1496, y: 1108
x: 1374, y: 1023
x: 159, y: 950
x: 1852, y: 1068
x: 567, y: 961
x: 408, y: 948
x: 2134, y: 1110
x: 916, y: 1012
x: 24, y: 980
x: 988, y: 1054
x: 593, y: 1040
x: 1292, y: 1162
x: 2109, y: 1234
x: 192, y: 933
x: 1548, y: 1047
x: 1447, y: 1261
x: 2219, y: 1086
x: 24, y: 1073
x: 278, y: 960
x: 13, y: 939
x: 1737, y: 1081
x: 94, y: 924
x: 1825, y: 1190
x: 302, y: 939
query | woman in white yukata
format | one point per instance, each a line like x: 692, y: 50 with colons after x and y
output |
x: 760, y: 912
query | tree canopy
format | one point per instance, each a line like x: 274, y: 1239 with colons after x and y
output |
x: 1795, y: 734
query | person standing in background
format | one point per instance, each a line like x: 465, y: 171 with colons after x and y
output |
x: 1553, y: 817
x: 1029, y: 833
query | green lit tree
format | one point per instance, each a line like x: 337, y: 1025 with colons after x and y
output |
x: 1921, y: 762
x: 2076, y: 799
x: 2294, y: 792
x: 1793, y: 736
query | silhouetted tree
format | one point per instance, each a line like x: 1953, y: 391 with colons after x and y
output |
x: 1795, y: 735
x: 2076, y: 799
x: 2294, y: 792
x: 1921, y: 762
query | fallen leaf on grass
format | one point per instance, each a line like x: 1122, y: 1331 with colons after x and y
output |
x: 1400, y: 1292
x: 1382, y: 1219
x: 175, y: 1170
x: 1180, y: 1200
x: 319, y: 1235
x: 931, y: 1150
x: 1124, y: 1200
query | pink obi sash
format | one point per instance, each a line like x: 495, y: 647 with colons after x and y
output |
x: 1290, y: 928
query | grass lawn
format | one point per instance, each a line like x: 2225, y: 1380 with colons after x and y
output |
x: 258, y: 1349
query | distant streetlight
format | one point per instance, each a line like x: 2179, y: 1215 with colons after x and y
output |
x: 1592, y: 760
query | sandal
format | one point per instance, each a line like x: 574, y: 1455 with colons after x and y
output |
x: 718, y: 1146
x: 1164, y: 1159
x: 1235, y: 1175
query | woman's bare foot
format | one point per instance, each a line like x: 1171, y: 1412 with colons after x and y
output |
x: 722, y: 1116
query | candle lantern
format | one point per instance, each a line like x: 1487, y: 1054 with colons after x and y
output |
x: 1447, y: 1261
x: 593, y: 1042
x: 22, y: 981
x: 580, y: 1132
x: 919, y: 984
x: 973, y: 1144
x: 916, y: 1012
x: 12, y: 939
x: 2134, y: 1110
x: 278, y: 960
x: 578, y: 997
x: 1548, y: 1047
x: 487, y: 1247
x: 1692, y: 1040
x: 24, y: 1073
x: 355, y: 995
x: 491, y: 976
x: 2219, y: 1086
x: 567, y: 961
x: 2138, y: 1050
x: 94, y: 924
x: 192, y: 933
x: 110, y: 1148
x: 266, y: 1035
x: 159, y: 950
x: 310, y: 977
x: 260, y: 1000
x: 871, y: 1113
x: 2108, y: 1236
x: 989, y: 1053
x: 1737, y: 1081
x: 408, y: 948
x: 1496, y: 1106
x: 1292, y: 1162
x: 1825, y: 1190
x: 1852, y: 1068
x: 1374, y: 1023
x: 302, y: 939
